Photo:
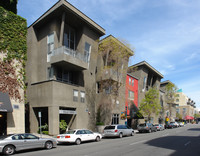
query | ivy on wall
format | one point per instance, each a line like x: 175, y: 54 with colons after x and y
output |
x: 13, y: 49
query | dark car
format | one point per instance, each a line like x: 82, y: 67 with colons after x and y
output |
x: 171, y: 125
x: 147, y: 127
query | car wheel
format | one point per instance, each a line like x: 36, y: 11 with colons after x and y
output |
x: 9, y: 150
x: 48, y: 145
x: 132, y: 133
x: 149, y: 131
x: 98, y: 139
x: 120, y: 135
x: 78, y: 141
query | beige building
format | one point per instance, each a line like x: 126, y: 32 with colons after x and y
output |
x: 61, y: 66
x: 186, y: 106
x: 12, y: 114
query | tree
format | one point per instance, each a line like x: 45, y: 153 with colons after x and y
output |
x: 10, y: 5
x: 150, y: 104
x: 114, y: 56
x: 170, y: 92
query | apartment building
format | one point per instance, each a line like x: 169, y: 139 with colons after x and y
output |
x: 111, y: 72
x: 62, y: 59
x: 148, y: 77
x: 12, y: 116
x: 186, y: 106
x: 131, y: 103
x: 169, y: 105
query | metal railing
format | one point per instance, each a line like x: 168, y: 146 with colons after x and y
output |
x: 73, y: 53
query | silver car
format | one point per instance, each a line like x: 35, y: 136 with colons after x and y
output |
x: 118, y: 131
x: 16, y: 142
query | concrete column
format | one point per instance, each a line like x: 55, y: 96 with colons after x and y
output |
x: 34, y: 125
x: 62, y: 29
x: 53, y: 114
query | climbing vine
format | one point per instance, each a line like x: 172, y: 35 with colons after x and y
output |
x: 13, y: 53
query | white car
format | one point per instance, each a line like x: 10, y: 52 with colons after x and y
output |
x: 78, y: 135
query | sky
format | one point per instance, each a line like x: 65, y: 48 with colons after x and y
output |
x: 164, y: 33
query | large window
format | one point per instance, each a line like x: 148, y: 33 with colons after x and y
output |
x: 144, y: 83
x: 131, y: 95
x: 132, y: 82
x: 50, y: 73
x: 129, y: 80
x: 50, y: 43
x: 75, y: 95
x: 82, y: 97
x: 87, y: 51
x: 115, y: 119
x: 69, y: 38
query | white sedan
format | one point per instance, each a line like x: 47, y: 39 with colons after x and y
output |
x: 77, y: 136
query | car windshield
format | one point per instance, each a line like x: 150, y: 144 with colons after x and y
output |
x: 109, y: 127
x: 142, y: 125
x: 70, y: 132
x: 4, y: 136
x: 156, y: 125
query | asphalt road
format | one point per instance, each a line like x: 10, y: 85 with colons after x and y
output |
x: 184, y: 141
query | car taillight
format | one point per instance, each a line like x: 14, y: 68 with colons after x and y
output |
x: 67, y: 136
x: 58, y: 136
x: 116, y: 130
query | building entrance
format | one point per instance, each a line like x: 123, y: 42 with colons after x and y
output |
x: 3, y: 123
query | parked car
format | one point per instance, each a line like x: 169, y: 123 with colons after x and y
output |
x: 117, y: 131
x: 146, y: 127
x: 9, y: 144
x: 159, y: 127
x: 78, y: 135
x: 181, y: 124
x: 171, y: 125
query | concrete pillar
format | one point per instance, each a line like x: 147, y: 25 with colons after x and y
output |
x: 62, y: 29
x: 53, y: 115
x: 34, y: 125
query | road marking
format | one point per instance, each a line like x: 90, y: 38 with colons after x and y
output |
x: 188, y: 143
x: 138, y: 142
x: 166, y: 134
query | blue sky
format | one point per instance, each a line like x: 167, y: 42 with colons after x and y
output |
x: 165, y: 33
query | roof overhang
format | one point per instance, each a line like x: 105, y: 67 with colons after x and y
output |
x: 62, y: 4
x: 5, y: 104
x: 144, y: 63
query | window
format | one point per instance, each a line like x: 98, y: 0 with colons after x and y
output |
x: 50, y: 73
x: 177, y: 100
x: 69, y: 38
x: 50, y: 43
x: 75, y: 95
x: 177, y: 110
x: 129, y: 81
x: 184, y: 110
x: 115, y: 119
x: 87, y: 51
x: 131, y: 95
x: 132, y: 82
x: 144, y: 83
x: 108, y: 90
x: 82, y: 97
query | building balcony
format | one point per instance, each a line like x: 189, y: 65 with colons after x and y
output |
x: 109, y: 73
x: 68, y: 56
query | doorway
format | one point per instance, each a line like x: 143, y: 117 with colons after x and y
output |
x: 3, y: 123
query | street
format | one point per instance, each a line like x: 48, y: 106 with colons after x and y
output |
x: 183, y: 141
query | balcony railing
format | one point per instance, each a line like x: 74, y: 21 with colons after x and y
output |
x: 73, y: 53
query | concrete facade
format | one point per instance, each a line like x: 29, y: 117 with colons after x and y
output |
x: 111, y: 79
x: 147, y: 77
x: 59, y: 68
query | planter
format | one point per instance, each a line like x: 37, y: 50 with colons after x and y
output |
x: 99, y: 128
